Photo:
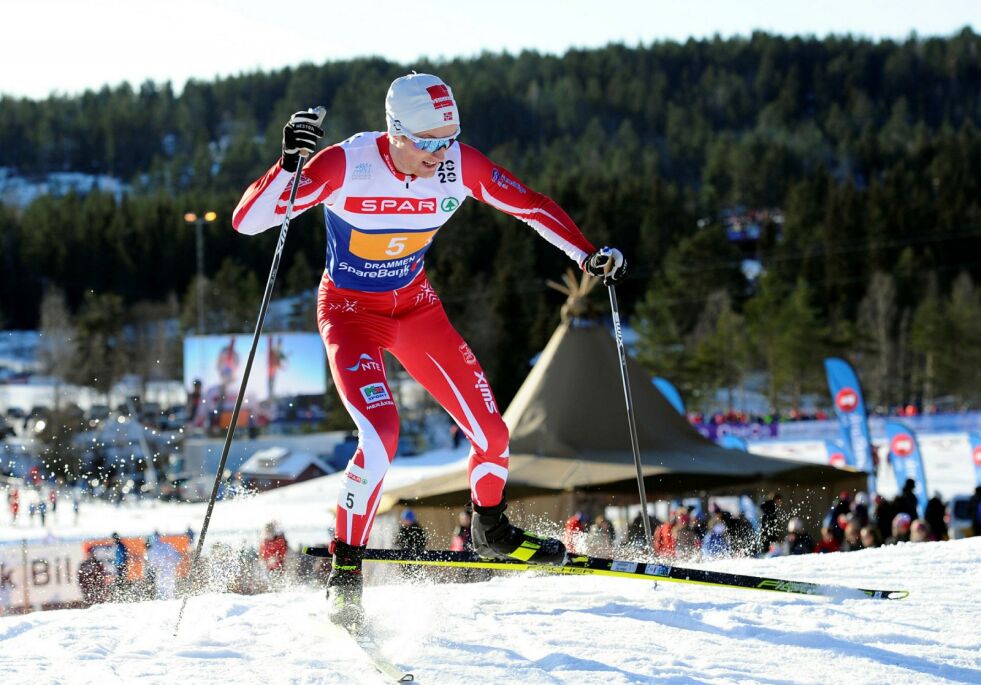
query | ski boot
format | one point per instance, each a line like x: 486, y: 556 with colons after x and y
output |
x: 344, y: 587
x: 495, y: 538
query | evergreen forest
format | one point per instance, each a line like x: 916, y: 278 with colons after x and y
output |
x: 858, y: 162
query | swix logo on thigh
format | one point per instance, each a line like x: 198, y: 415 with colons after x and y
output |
x: 485, y: 392
x: 365, y: 363
x: 390, y: 205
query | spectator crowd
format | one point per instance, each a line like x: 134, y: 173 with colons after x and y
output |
x: 852, y: 523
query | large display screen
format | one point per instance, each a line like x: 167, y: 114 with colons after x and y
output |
x: 285, y: 365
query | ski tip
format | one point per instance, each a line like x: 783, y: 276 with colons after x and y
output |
x: 886, y: 594
x: 896, y: 594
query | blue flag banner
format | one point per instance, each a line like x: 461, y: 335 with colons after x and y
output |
x: 907, y: 461
x: 733, y: 442
x: 671, y: 394
x: 839, y: 454
x: 975, y: 439
x: 850, y: 408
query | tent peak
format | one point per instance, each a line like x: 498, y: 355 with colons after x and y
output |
x: 576, y: 292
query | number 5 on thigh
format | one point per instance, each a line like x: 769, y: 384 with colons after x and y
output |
x: 357, y: 490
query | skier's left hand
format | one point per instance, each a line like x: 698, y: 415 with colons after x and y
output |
x: 607, y: 263
x: 301, y: 135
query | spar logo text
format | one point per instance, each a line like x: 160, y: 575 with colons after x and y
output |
x: 390, y: 205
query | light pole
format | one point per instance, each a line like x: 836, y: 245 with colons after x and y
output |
x: 199, y: 222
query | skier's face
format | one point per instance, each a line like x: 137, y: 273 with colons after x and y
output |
x: 411, y: 160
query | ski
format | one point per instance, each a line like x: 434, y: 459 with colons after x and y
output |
x: 366, y: 641
x: 580, y: 565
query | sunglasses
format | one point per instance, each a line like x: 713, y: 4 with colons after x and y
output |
x: 432, y: 144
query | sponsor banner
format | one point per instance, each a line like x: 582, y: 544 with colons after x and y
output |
x: 671, y: 394
x: 907, y: 461
x: 923, y: 425
x: 747, y: 431
x: 975, y: 440
x: 839, y: 454
x: 47, y: 576
x: 846, y: 394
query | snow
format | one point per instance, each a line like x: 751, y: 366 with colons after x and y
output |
x: 516, y: 628
x: 521, y: 629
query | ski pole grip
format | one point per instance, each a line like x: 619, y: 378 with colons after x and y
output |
x: 321, y: 112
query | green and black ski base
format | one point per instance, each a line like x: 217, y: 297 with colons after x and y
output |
x: 581, y: 565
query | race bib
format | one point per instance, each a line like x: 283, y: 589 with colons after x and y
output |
x: 357, y: 489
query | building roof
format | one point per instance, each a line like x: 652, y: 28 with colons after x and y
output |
x: 280, y: 462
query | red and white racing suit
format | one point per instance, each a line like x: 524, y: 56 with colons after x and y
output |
x: 375, y: 296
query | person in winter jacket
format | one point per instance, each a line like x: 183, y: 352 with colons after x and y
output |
x: 411, y: 537
x: 93, y: 579
x: 664, y: 545
x: 828, y: 543
x: 273, y: 550
x: 919, y: 531
x: 716, y: 541
x: 574, y: 532
x: 901, y: 523
x: 772, y: 522
x: 462, y: 541
x: 797, y: 540
x: 163, y: 559
x: 974, y: 507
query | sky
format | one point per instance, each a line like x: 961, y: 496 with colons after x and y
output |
x: 68, y: 46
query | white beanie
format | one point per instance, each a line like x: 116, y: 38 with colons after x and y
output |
x: 419, y: 102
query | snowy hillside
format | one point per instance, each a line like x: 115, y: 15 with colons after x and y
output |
x: 523, y: 629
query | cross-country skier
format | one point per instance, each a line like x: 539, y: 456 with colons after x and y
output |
x: 385, y: 196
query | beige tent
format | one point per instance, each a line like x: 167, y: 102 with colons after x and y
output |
x: 569, y: 432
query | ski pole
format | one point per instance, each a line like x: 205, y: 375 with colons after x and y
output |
x: 631, y: 420
x: 267, y: 295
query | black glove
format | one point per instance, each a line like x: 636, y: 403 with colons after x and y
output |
x: 607, y: 263
x: 300, y: 136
